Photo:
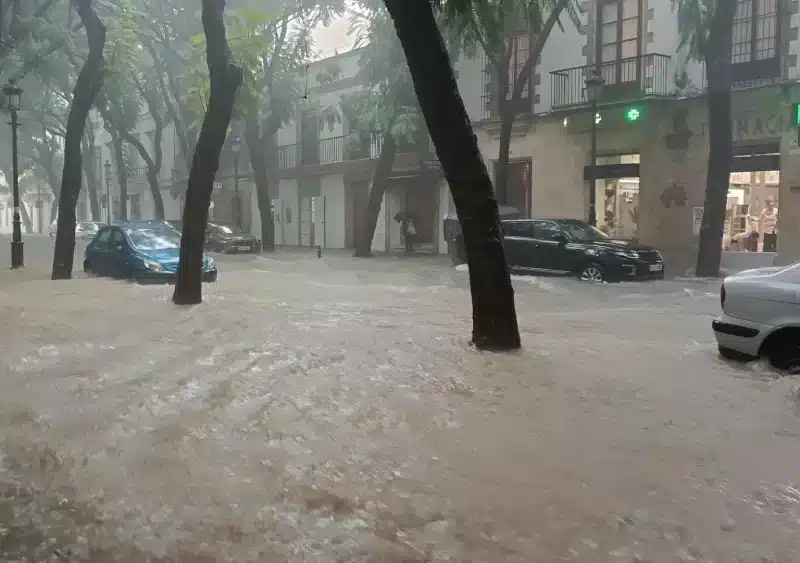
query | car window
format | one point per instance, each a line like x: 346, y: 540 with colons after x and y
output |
x: 102, y: 239
x: 117, y: 238
x: 522, y: 230
x: 154, y: 239
x: 547, y: 230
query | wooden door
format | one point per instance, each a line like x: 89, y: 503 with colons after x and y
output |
x: 518, y: 189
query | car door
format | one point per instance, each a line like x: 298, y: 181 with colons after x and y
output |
x: 118, y: 254
x: 97, y: 252
x: 519, y: 244
x: 550, y: 247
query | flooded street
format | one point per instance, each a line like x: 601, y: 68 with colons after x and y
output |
x: 332, y: 411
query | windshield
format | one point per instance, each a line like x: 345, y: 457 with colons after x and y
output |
x: 153, y: 239
x: 582, y: 231
x: 225, y: 229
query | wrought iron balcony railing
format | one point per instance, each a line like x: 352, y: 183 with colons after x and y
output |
x: 624, y: 79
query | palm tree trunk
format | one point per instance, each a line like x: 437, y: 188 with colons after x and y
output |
x: 380, y: 181
x: 494, y: 318
x: 88, y: 84
x: 225, y: 78
x: 720, y: 128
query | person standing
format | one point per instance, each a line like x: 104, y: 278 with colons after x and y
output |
x: 768, y: 225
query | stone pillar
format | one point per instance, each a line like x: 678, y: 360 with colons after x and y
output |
x: 673, y: 169
x: 789, y: 205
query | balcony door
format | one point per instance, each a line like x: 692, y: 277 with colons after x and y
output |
x: 619, y: 42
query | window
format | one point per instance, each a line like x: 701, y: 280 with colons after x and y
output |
x: 755, y: 31
x: 102, y: 239
x: 549, y: 231
x: 618, y: 41
x: 619, y: 30
x: 520, y: 48
x: 117, y: 238
x: 521, y: 230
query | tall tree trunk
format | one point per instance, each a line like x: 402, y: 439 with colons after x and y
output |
x: 166, y: 89
x: 26, y: 218
x: 259, y: 150
x: 225, y: 78
x: 503, y: 154
x: 122, y: 173
x: 508, y: 112
x: 91, y: 180
x: 720, y: 128
x: 494, y: 318
x: 380, y: 180
x: 153, y: 167
x: 88, y: 84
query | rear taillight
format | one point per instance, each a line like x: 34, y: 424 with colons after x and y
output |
x: 722, y: 296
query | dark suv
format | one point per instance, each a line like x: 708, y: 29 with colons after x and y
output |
x: 575, y: 248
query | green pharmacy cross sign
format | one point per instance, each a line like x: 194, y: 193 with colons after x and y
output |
x: 633, y: 114
x: 796, y: 119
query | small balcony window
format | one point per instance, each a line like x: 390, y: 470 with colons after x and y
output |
x: 755, y: 49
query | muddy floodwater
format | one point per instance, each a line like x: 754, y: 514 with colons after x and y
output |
x: 332, y: 411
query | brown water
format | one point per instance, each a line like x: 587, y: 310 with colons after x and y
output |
x: 310, y: 411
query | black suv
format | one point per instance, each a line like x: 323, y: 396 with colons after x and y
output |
x: 573, y: 247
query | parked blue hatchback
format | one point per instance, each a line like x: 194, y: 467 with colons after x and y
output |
x: 141, y: 253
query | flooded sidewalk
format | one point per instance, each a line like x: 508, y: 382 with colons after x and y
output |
x: 314, y: 413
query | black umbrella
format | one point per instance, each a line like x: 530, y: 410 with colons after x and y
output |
x: 508, y: 212
x: 404, y: 216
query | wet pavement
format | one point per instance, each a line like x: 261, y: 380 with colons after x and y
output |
x: 332, y: 411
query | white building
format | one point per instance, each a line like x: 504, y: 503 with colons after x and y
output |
x: 651, y: 170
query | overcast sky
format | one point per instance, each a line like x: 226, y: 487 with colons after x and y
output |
x: 332, y: 39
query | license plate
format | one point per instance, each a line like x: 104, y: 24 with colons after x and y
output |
x: 656, y: 267
x: 243, y: 248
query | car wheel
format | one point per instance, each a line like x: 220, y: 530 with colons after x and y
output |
x: 592, y: 273
x: 786, y: 358
x: 735, y: 355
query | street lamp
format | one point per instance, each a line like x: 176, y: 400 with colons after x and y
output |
x: 594, y: 89
x: 13, y: 98
x: 236, y: 147
x: 107, y: 166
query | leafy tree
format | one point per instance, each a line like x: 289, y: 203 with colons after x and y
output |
x: 272, y: 44
x: 225, y: 79
x: 489, y: 26
x: 131, y: 85
x: 86, y: 87
x: 386, y: 109
x: 494, y: 317
x: 706, y: 28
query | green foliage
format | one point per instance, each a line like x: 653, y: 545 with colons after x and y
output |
x: 125, y: 64
x: 485, y: 25
x: 389, y: 102
x: 694, y: 25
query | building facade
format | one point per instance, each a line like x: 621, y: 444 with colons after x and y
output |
x: 652, y: 139
x: 652, y: 142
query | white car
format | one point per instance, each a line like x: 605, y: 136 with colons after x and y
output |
x: 761, y: 317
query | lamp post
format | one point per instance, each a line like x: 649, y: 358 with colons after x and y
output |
x: 236, y: 147
x: 594, y: 88
x: 107, y: 166
x: 13, y: 97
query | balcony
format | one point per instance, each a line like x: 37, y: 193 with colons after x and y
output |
x: 625, y: 79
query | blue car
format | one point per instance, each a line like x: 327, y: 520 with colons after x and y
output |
x: 149, y: 253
